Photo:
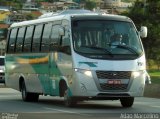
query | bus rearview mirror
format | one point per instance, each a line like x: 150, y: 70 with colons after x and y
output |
x: 143, y: 32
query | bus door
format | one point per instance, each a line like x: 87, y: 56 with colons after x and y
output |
x: 54, y: 48
x: 54, y: 74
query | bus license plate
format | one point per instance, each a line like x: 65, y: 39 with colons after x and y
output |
x: 116, y: 82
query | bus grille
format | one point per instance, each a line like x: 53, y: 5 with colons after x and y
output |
x: 114, y: 87
x: 113, y: 74
x: 123, y: 75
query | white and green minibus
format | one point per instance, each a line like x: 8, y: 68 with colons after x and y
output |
x: 78, y: 55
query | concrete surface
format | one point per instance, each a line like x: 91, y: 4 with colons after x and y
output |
x: 151, y: 90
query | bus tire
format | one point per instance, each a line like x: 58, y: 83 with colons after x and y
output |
x: 69, y: 101
x: 127, y: 101
x: 34, y: 97
x: 26, y: 96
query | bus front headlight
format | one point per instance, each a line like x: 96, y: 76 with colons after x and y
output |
x: 88, y: 73
x: 2, y: 70
x: 85, y: 72
x: 136, y: 74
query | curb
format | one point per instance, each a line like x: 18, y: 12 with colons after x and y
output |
x: 2, y: 85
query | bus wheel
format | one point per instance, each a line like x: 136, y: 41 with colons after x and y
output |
x: 26, y: 96
x: 127, y: 101
x: 69, y: 101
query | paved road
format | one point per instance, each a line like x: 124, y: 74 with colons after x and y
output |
x: 12, y: 107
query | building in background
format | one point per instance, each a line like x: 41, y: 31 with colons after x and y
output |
x: 16, y: 17
x: 115, y: 6
x: 29, y: 6
x: 112, y: 3
x: 58, y: 6
x: 4, y: 24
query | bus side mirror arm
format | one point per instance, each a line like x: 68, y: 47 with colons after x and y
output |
x: 61, y: 31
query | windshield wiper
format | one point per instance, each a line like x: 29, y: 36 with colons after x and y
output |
x: 99, y: 48
x: 128, y: 48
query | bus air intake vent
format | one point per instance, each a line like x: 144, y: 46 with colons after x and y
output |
x: 122, y: 76
x: 113, y: 74
x: 114, y: 87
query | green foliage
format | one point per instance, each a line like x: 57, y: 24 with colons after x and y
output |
x: 155, y: 76
x: 148, y: 15
x: 151, y: 64
x: 128, y: 0
x: 16, y: 4
x: 90, y: 4
x: 29, y: 16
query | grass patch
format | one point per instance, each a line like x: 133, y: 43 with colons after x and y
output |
x: 155, y: 76
x: 128, y: 0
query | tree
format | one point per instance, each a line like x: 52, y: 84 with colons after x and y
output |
x: 90, y: 4
x: 149, y: 15
x: 153, y: 16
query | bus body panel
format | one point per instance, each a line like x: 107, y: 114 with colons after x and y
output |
x: 29, y: 67
x: 39, y: 79
x: 82, y: 62
x: 89, y: 85
x: 43, y: 72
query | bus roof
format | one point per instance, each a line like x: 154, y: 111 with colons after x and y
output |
x: 68, y: 12
x: 75, y: 14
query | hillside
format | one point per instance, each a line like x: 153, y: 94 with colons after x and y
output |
x: 128, y: 0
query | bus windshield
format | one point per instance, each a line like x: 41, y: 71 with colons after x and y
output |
x: 106, y: 39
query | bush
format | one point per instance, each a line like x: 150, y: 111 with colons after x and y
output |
x: 151, y: 64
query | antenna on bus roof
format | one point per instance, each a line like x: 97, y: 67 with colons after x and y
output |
x: 65, y: 12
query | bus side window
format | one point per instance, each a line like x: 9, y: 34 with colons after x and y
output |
x: 12, y: 39
x: 55, y: 38
x: 28, y: 39
x: 65, y: 46
x: 46, y: 37
x: 37, y: 38
x: 20, y: 38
